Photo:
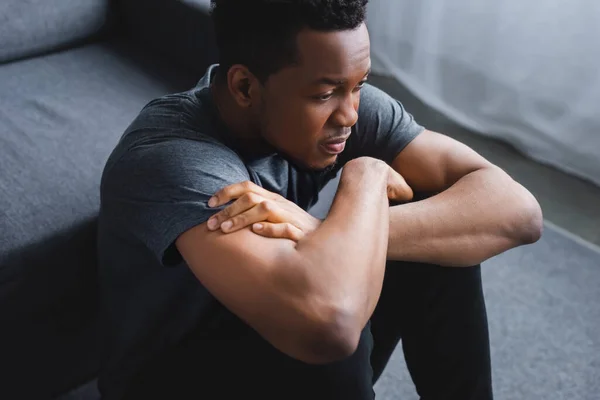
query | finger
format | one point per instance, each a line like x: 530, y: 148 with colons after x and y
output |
x: 235, y: 191
x: 266, y: 211
x: 231, y: 192
x: 244, y: 203
x: 398, y: 189
x: 278, y: 231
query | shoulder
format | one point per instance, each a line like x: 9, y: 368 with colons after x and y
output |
x: 377, y: 104
x: 371, y: 97
x: 384, y: 127
x: 379, y: 112
x: 370, y: 93
x: 172, y: 137
x: 160, y: 164
x: 178, y: 110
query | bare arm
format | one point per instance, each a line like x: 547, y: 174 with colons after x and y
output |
x: 309, y: 299
x: 479, y: 210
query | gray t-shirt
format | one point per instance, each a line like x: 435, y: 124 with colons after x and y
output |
x: 156, y: 184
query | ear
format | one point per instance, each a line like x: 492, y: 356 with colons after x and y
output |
x: 243, y: 85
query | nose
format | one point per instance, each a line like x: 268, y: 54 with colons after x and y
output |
x: 346, y: 114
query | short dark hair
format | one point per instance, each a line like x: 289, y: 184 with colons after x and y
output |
x: 261, y: 34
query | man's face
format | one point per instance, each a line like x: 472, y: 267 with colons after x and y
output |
x: 308, y: 109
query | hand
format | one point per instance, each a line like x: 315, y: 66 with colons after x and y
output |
x: 397, y: 188
x: 268, y: 213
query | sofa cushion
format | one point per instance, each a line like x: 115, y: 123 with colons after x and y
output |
x: 29, y: 27
x: 60, y: 117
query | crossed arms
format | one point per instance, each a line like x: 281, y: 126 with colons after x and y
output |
x: 310, y: 287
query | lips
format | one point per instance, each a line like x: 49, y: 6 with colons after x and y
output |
x: 335, y: 146
x: 336, y: 141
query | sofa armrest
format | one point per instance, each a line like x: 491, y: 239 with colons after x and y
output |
x: 178, y: 30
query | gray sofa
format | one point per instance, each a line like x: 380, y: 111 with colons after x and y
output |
x: 73, y: 74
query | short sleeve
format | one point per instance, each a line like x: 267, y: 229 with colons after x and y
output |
x: 158, y: 190
x: 384, y: 127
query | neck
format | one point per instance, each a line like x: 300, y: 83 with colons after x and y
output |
x: 238, y: 121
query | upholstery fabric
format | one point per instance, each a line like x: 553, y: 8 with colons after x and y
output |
x: 60, y: 116
x: 30, y: 27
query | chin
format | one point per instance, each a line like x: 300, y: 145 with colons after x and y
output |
x: 316, y: 164
x: 324, y: 165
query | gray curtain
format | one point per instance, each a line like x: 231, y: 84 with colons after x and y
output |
x: 527, y: 72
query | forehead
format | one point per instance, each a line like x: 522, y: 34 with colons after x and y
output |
x: 338, y: 54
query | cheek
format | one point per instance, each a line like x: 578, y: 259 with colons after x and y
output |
x: 314, y: 119
x: 300, y: 124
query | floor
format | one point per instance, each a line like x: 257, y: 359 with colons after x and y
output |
x: 568, y: 202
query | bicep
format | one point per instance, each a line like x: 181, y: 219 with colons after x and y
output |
x: 229, y: 265
x: 255, y: 277
x: 433, y: 162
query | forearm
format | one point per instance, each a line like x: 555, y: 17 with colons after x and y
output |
x: 480, y: 216
x: 346, y: 255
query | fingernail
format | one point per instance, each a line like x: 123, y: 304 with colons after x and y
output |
x: 257, y: 227
x: 226, y: 225
x: 212, y: 201
x: 212, y: 223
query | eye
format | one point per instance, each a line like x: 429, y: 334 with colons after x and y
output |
x: 324, y: 97
x: 360, y: 85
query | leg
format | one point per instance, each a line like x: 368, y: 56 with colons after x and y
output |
x: 233, y: 362
x: 439, y: 313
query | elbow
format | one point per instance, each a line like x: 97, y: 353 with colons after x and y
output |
x: 531, y: 221
x: 321, y: 328
x: 327, y: 350
x: 330, y: 341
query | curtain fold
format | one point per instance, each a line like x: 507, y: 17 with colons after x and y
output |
x: 524, y: 72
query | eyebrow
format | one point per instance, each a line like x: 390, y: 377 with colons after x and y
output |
x: 335, y: 82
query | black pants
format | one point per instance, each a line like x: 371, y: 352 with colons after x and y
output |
x: 438, y: 313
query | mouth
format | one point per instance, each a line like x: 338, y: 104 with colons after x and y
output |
x: 335, y: 146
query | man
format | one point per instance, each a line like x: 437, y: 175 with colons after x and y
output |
x: 217, y: 282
